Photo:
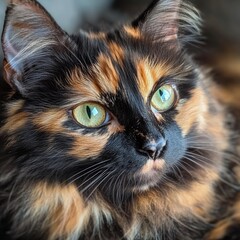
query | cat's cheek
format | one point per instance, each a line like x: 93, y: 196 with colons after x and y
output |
x: 93, y: 145
x: 85, y: 147
x: 16, y: 117
x: 176, y: 144
x: 193, y: 112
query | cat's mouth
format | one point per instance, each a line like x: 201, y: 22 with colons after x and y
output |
x: 152, y: 165
x: 149, y: 175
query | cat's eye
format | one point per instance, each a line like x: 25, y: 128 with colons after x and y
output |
x: 164, y: 98
x: 90, y: 115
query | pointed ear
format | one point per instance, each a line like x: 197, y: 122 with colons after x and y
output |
x: 29, y: 33
x: 169, y: 20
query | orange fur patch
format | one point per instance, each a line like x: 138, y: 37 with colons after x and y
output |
x: 62, y: 207
x: 86, y: 89
x: 221, y: 228
x: 8, y: 73
x: 14, y: 107
x: 88, y: 145
x: 63, y: 211
x: 133, y: 32
x: 228, y: 95
x: 14, y: 122
x: 103, y: 79
x: 96, y: 35
x: 193, y: 112
x: 105, y: 74
x: 117, y: 52
x: 148, y: 75
x: 237, y: 172
x: 159, y: 207
x: 236, y: 209
x: 115, y: 127
x: 50, y: 121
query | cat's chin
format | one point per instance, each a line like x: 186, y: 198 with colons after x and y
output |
x: 149, y: 175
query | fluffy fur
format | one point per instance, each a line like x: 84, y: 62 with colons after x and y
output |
x: 59, y: 180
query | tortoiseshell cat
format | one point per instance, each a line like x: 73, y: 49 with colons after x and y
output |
x: 114, y: 135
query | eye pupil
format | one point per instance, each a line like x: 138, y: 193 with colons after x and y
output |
x: 161, y: 92
x: 164, y: 94
x: 89, y: 112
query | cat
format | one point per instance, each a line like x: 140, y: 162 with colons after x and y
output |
x: 114, y: 135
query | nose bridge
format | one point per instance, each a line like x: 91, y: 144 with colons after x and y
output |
x: 150, y: 139
x: 151, y: 131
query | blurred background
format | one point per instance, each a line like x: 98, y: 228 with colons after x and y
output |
x: 221, y: 28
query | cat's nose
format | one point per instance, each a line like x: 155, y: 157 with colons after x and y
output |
x: 153, y: 149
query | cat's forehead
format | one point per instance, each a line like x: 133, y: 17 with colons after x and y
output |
x: 123, y: 60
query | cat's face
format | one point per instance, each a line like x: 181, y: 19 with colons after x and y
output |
x: 106, y: 111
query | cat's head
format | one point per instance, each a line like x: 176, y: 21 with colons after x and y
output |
x: 112, y: 112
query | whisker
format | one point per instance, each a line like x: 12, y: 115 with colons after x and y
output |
x: 87, y: 173
x: 123, y: 184
x: 92, y: 177
x: 182, y: 165
x: 227, y: 155
x: 99, y: 184
x: 197, y: 157
x: 10, y: 195
x: 99, y: 177
x: 195, y: 162
x: 90, y: 167
x: 116, y: 181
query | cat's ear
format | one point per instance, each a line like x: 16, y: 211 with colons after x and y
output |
x: 169, y: 20
x: 29, y: 33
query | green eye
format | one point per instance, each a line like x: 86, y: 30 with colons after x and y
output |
x: 90, y: 115
x: 164, y: 98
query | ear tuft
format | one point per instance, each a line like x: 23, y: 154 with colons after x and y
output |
x: 170, y: 20
x: 29, y: 31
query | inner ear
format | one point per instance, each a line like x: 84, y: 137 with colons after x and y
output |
x: 29, y: 32
x: 169, y: 20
